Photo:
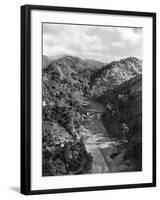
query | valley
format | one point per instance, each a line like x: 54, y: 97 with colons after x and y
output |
x: 92, y: 116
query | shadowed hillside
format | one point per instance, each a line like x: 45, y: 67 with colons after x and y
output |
x: 124, y: 109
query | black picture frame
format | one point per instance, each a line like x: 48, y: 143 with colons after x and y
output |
x: 26, y: 97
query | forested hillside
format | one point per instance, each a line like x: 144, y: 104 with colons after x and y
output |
x: 65, y: 84
x: 124, y: 111
x: 114, y: 74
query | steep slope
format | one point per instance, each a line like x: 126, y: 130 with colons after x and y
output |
x: 125, y: 103
x: 74, y: 70
x: 62, y: 113
x: 114, y: 74
x: 124, y: 108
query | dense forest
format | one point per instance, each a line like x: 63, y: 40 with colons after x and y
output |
x: 67, y: 83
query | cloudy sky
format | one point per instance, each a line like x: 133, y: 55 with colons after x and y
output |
x: 93, y: 42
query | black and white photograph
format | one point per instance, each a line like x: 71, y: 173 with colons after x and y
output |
x: 91, y: 99
x: 88, y: 107
x: 79, y: 100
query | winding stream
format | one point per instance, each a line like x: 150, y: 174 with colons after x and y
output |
x: 101, y: 147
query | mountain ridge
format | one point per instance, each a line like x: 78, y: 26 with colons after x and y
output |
x: 115, y: 73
